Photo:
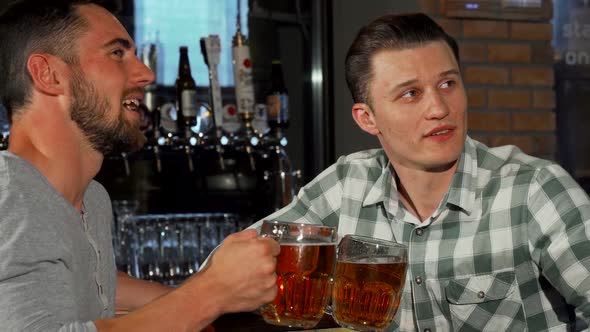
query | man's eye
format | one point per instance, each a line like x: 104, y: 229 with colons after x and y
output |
x: 118, y: 53
x: 447, y: 84
x: 410, y: 94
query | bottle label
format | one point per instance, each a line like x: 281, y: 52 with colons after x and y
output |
x: 189, y: 105
x: 243, y: 79
x: 278, y: 107
x: 260, y: 122
x: 230, y: 122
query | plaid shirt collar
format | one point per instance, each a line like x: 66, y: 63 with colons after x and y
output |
x: 461, y: 192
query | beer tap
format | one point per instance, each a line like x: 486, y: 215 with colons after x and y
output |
x: 158, y: 159
x: 150, y: 56
x: 157, y: 138
x: 190, y: 140
x: 243, y: 84
x: 250, y: 138
x: 126, y: 163
x: 242, y: 70
x: 283, y: 180
x: 211, y: 50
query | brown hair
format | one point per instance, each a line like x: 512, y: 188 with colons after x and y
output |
x: 32, y: 26
x: 389, y: 32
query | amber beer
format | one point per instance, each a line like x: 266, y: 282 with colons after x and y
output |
x: 303, y: 272
x: 367, y: 294
x: 368, y: 282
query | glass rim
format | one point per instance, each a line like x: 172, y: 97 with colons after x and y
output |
x: 278, y: 222
x: 374, y: 240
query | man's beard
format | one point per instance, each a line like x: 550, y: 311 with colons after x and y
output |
x: 89, y: 110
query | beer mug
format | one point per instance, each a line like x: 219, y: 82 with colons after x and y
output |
x: 368, y: 282
x: 304, y: 270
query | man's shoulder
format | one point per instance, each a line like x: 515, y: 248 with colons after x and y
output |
x: 372, y: 157
x: 23, y: 211
x: 97, y: 195
x: 96, y: 189
x: 13, y: 174
x: 510, y: 160
x: 366, y: 165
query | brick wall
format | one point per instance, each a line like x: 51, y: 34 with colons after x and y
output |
x: 508, y: 73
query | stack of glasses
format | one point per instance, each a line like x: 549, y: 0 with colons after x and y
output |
x: 168, y: 248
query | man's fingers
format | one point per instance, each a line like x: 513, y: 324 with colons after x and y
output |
x: 244, y: 235
x: 275, y: 247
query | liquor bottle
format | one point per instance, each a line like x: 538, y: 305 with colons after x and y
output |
x: 186, y: 95
x: 277, y: 100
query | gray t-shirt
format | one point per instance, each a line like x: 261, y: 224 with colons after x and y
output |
x: 57, y: 269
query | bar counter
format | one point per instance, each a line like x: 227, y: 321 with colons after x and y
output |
x: 252, y: 322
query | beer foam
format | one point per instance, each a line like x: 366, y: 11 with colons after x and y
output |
x: 305, y: 244
x: 374, y: 260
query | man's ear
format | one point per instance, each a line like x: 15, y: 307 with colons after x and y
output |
x: 46, y: 72
x: 364, y: 117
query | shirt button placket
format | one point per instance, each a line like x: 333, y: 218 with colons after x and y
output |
x: 418, y: 280
x: 417, y: 268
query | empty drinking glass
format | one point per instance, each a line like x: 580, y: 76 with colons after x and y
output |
x: 189, y: 245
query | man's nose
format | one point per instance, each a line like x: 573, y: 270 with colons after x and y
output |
x: 437, y: 107
x: 143, y: 75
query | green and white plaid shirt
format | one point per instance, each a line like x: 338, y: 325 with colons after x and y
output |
x: 507, y: 249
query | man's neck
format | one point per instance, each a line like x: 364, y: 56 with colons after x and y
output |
x: 422, y: 191
x: 58, y: 151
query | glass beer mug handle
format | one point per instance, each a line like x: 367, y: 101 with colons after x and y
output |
x: 304, y: 267
x: 276, y: 232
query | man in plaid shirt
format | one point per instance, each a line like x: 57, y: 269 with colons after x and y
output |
x: 498, y: 240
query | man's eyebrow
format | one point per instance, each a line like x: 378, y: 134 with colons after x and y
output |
x: 404, y: 84
x: 449, y: 72
x: 413, y: 81
x: 126, y: 43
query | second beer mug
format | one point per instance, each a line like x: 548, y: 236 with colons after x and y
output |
x: 304, y: 268
x: 368, y: 282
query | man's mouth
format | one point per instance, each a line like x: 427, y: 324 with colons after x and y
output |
x: 442, y: 132
x: 131, y: 104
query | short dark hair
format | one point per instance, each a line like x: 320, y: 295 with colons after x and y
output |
x: 389, y: 32
x: 33, y: 26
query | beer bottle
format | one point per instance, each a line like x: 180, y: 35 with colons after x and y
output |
x: 277, y: 99
x: 186, y: 95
